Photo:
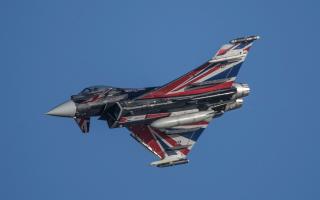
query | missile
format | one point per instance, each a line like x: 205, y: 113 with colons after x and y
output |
x: 169, y: 122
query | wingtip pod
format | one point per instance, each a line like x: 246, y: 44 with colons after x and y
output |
x: 167, y: 162
x: 245, y: 39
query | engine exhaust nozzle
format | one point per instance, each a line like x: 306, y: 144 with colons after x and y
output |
x: 243, y: 90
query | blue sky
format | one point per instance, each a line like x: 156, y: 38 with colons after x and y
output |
x: 50, y: 50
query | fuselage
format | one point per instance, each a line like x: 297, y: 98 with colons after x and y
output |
x: 168, y: 120
x: 122, y: 107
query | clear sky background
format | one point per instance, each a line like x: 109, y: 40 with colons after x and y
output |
x: 50, y: 50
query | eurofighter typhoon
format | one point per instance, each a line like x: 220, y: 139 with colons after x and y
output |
x: 168, y: 120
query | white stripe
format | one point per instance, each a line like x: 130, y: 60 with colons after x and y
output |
x: 154, y: 137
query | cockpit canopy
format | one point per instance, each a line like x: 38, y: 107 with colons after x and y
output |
x: 95, y: 88
x: 89, y: 92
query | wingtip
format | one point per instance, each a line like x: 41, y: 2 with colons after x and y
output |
x: 245, y: 39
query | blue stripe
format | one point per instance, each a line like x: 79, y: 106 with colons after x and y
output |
x: 228, y: 73
x: 194, y: 135
x: 165, y: 146
x: 242, y: 45
x: 235, y: 70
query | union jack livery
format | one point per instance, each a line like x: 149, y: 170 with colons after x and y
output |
x: 167, y: 120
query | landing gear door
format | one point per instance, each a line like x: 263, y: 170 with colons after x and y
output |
x: 112, y: 114
x: 83, y: 123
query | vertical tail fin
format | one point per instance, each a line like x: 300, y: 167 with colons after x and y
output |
x: 230, y: 57
x: 219, y: 72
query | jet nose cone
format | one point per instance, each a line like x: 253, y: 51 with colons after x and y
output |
x: 66, y: 109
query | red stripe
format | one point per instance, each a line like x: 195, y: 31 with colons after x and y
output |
x: 215, y: 68
x: 223, y: 51
x: 143, y: 132
x: 81, y: 121
x: 202, y: 90
x: 247, y: 49
x: 157, y: 115
x: 196, y: 91
x: 170, y: 86
x: 123, y: 120
x: 171, y: 141
x: 93, y: 99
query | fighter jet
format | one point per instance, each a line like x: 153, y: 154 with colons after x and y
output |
x: 169, y: 119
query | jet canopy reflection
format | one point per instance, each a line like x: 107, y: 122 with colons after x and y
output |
x: 96, y: 88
